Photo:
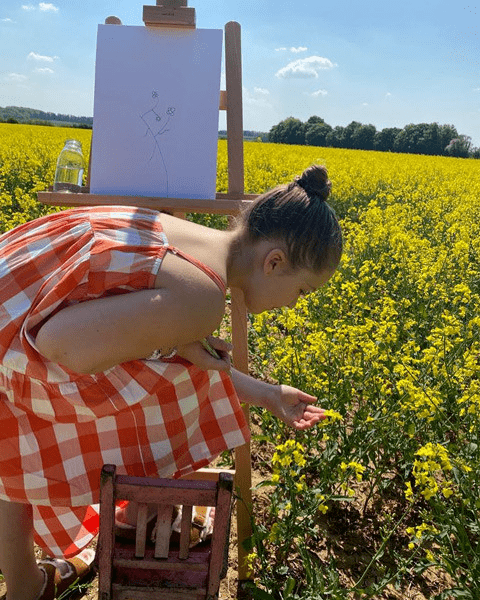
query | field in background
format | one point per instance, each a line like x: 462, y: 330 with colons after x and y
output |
x: 382, y: 500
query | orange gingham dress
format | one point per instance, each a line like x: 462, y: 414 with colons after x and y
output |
x: 57, y: 427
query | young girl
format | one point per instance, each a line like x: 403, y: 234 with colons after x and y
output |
x: 103, y: 316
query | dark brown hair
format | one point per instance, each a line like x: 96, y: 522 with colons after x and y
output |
x: 298, y: 214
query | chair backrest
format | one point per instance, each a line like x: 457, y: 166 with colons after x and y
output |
x: 163, y: 569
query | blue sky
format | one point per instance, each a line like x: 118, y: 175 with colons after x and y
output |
x: 374, y: 61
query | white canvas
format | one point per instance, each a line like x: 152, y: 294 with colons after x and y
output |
x: 157, y: 94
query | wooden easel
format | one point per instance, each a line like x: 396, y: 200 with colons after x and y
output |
x: 176, y: 13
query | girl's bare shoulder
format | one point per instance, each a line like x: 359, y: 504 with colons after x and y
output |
x: 205, y: 246
x: 186, y: 280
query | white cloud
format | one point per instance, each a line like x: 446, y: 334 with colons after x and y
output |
x: 258, y: 98
x: 319, y: 93
x: 388, y: 95
x: 42, y: 6
x: 476, y: 89
x: 15, y: 77
x: 39, y: 57
x: 44, y: 70
x: 47, y: 7
x: 7, y: 20
x: 305, y: 68
x: 365, y: 104
x: 292, y: 49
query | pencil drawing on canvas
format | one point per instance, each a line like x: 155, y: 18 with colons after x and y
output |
x: 157, y: 125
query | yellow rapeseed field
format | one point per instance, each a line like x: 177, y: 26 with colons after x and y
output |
x: 391, y: 347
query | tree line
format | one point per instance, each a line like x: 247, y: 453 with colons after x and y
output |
x: 422, y: 138
x: 19, y: 114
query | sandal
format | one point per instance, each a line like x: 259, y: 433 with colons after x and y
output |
x: 202, y: 524
x: 62, y: 575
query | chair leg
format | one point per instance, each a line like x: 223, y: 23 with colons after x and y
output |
x: 220, y: 529
x: 106, y: 539
x: 224, y: 570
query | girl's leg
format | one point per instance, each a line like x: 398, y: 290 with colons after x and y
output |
x: 17, y: 557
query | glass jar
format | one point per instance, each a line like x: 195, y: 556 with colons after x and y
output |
x: 70, y: 168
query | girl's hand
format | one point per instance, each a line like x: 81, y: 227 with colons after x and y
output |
x: 198, y: 354
x: 295, y: 408
x: 292, y: 406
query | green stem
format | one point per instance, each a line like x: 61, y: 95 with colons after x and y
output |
x: 380, y: 550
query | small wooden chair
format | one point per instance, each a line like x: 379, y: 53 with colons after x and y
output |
x: 164, y: 570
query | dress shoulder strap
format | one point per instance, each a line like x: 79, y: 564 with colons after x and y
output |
x: 203, y: 267
x: 214, y: 276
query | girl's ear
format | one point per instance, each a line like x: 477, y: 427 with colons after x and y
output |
x: 275, y: 262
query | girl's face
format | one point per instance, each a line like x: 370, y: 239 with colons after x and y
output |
x: 276, y: 285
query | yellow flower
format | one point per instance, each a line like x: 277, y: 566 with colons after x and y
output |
x: 447, y: 492
x: 250, y: 563
x: 331, y: 416
x: 274, y: 532
x: 299, y: 458
x: 408, y: 491
x: 429, y: 555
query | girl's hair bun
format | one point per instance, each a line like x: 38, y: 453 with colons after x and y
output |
x: 315, y: 182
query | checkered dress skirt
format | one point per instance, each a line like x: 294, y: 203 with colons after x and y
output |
x: 58, y: 427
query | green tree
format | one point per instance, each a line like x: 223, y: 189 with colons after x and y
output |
x: 460, y: 147
x: 406, y: 140
x: 316, y: 134
x: 349, y: 133
x: 363, y: 137
x: 420, y: 138
x: 385, y: 139
x: 314, y: 120
x: 429, y: 139
x: 289, y: 131
x: 447, y: 133
x: 336, y: 137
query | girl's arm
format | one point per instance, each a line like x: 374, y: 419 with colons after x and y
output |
x: 95, y: 335
x: 292, y: 406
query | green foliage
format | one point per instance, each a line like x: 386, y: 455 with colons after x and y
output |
x: 423, y: 138
x: 392, y: 345
x: 28, y: 158
x: 19, y: 114
x: 316, y: 134
x: 289, y: 131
